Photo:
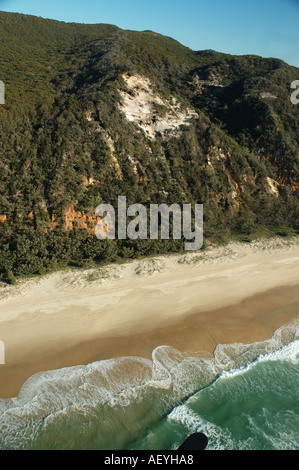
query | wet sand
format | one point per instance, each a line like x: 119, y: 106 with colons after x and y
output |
x: 242, y: 294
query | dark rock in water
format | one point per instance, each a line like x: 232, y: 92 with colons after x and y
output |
x: 197, y: 441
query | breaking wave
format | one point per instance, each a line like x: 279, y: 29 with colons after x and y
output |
x: 112, y: 404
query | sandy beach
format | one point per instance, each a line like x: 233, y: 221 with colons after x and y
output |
x: 194, y: 301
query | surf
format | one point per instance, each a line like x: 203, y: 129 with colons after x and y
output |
x: 112, y: 404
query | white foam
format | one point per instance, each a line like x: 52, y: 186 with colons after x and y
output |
x: 219, y: 439
x: 167, y: 379
x: 288, y: 353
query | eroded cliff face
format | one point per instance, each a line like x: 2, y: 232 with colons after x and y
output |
x: 73, y: 219
x: 154, y: 115
x: 140, y: 115
x: 107, y: 138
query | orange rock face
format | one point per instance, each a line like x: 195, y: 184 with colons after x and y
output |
x: 77, y: 219
x: 73, y: 220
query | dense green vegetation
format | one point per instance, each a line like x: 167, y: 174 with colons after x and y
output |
x: 55, y: 73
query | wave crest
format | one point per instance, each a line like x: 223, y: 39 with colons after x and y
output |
x: 107, y: 404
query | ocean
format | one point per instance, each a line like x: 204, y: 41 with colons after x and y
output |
x: 244, y: 397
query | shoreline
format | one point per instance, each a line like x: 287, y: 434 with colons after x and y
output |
x: 192, y: 302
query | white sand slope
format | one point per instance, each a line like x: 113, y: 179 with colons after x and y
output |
x: 153, y: 114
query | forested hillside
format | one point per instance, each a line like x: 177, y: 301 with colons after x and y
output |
x: 93, y: 112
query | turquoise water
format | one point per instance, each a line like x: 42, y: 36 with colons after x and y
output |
x: 253, y: 408
x: 245, y: 397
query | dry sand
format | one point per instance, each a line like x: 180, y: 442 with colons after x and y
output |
x: 194, y: 301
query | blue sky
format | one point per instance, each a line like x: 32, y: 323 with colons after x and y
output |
x: 269, y: 28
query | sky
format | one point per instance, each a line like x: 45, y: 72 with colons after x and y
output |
x: 269, y: 28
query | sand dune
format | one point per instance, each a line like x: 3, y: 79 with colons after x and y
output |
x: 193, y: 301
